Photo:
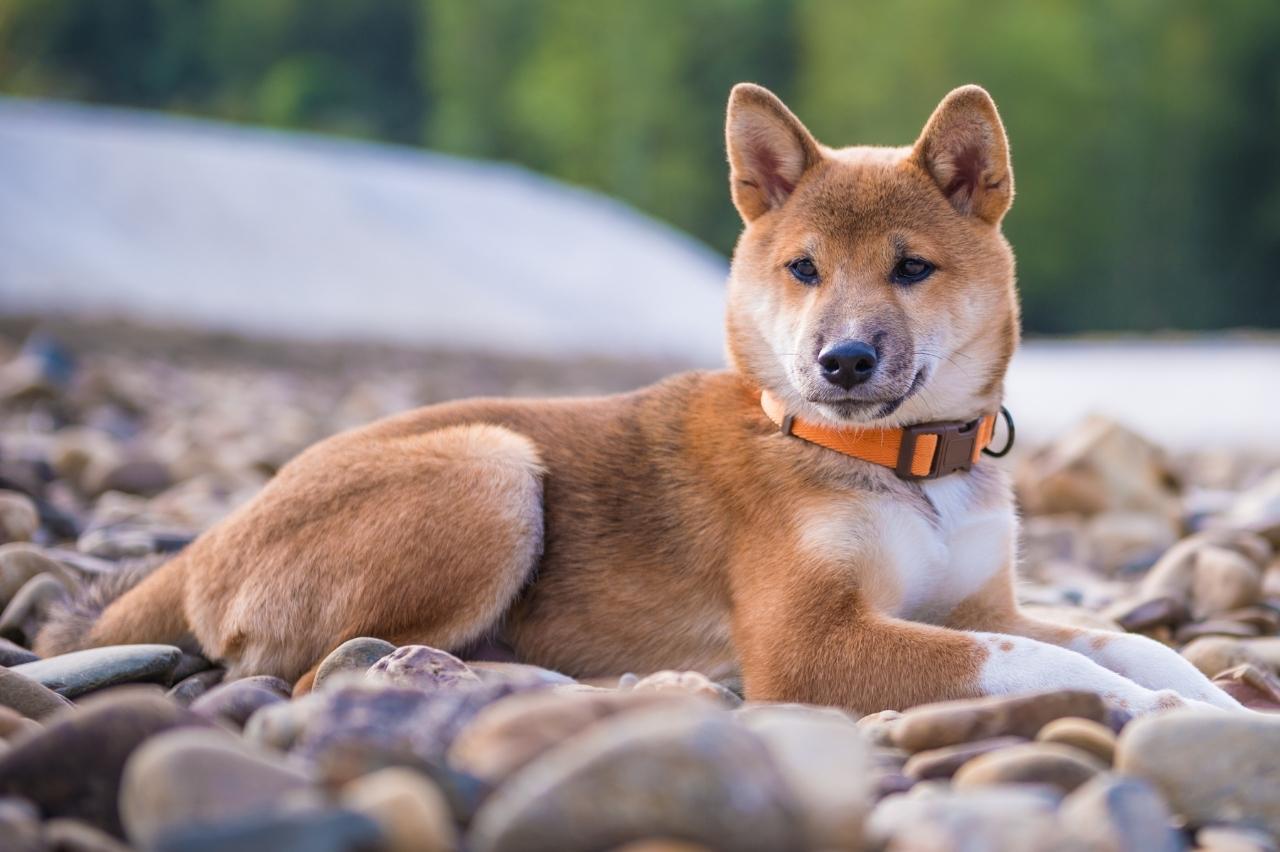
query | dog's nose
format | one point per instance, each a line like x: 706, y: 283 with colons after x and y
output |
x: 849, y: 363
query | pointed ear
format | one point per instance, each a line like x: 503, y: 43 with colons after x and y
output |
x: 964, y: 149
x: 769, y: 150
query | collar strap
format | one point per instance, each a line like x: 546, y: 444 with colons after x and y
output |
x: 923, y: 451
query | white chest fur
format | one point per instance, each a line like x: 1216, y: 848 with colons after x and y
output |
x: 916, y: 564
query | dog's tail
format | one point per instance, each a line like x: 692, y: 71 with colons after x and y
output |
x: 139, y: 603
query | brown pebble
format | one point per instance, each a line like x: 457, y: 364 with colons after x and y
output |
x: 1084, y: 734
x: 1032, y: 763
x: 952, y: 722
x: 946, y: 761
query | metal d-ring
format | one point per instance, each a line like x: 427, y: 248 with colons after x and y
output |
x: 1008, y: 445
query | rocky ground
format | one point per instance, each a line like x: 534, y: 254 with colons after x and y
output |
x: 119, y: 443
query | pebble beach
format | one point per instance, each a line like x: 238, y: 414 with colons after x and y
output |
x: 120, y: 444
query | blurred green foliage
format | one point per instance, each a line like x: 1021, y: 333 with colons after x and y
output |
x: 1146, y: 133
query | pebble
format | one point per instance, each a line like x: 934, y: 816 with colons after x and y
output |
x: 946, y: 820
x: 80, y: 672
x: 948, y: 723
x: 1213, y: 654
x: 1118, y: 813
x: 944, y: 762
x: 1155, y: 612
x: 190, y: 688
x: 1221, y: 838
x: 1255, y: 688
x: 311, y: 830
x: 24, y: 615
x: 1224, y: 580
x: 13, y: 654
x: 1084, y: 734
x: 138, y: 475
x: 19, y: 563
x: 194, y: 776
x: 14, y: 725
x: 695, y: 683
x: 28, y: 697
x: 1053, y: 764
x: 188, y: 665
x: 828, y: 766
x: 19, y: 826
x: 234, y: 702
x: 421, y: 667
x: 19, y: 519
x: 410, y: 810
x: 278, y: 725
x: 652, y: 773
x: 73, y: 767
x: 354, y: 655
x: 511, y: 732
x: 72, y: 835
x: 1210, y: 766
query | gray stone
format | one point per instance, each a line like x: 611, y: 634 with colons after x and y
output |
x: 20, y: 562
x: 190, y: 688
x: 24, y: 615
x: 72, y: 835
x: 696, y: 776
x: 19, y: 519
x: 308, y: 831
x: 946, y: 761
x: 1120, y: 813
x: 234, y: 702
x: 1210, y: 766
x: 13, y: 654
x: 1012, y: 818
x: 422, y: 667
x: 73, y: 767
x: 80, y: 672
x: 19, y: 826
x: 186, y: 777
x: 354, y: 655
x: 28, y: 697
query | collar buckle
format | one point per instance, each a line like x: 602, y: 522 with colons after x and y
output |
x: 956, y: 447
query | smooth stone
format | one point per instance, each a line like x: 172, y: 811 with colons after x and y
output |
x: 1117, y: 813
x: 279, y: 686
x: 422, y: 667
x: 73, y: 767
x: 695, y: 683
x: 951, y: 722
x: 72, y: 835
x: 14, y: 725
x: 305, y: 831
x: 79, y: 672
x: 944, y: 820
x: 946, y: 761
x: 13, y: 654
x: 1265, y: 618
x: 411, y: 811
x: 194, y: 776
x: 19, y: 519
x: 652, y: 773
x: 1084, y: 734
x: 27, y: 696
x: 1054, y: 764
x: 1224, y: 580
x: 1214, y: 627
x: 19, y: 826
x: 1210, y: 766
x: 278, y: 725
x: 490, y: 671
x: 1214, y: 654
x: 662, y: 844
x: 24, y: 615
x: 878, y: 727
x: 354, y: 655
x: 234, y: 702
x: 1155, y: 612
x: 1222, y: 838
x: 188, y: 665
x: 1255, y: 688
x: 365, y: 725
x: 19, y: 562
x: 510, y: 733
x: 190, y: 688
x: 143, y: 476
x: 828, y: 766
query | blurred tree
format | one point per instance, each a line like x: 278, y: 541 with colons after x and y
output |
x: 1145, y: 134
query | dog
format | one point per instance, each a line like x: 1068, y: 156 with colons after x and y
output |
x: 817, y: 519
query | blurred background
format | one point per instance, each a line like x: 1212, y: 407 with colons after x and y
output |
x: 545, y: 179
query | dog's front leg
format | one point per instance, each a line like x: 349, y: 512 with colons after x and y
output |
x: 803, y: 632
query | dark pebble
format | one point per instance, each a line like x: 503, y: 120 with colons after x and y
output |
x: 85, y: 671
x: 325, y: 831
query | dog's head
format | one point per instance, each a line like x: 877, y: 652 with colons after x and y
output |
x: 872, y: 285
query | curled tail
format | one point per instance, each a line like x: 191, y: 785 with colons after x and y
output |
x: 140, y: 603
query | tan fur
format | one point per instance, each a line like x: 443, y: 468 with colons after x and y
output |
x: 674, y: 527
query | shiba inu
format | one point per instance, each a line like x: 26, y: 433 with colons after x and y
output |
x: 816, y: 518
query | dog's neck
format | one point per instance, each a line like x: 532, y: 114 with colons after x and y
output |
x: 921, y: 451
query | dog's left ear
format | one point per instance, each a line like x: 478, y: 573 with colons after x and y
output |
x: 964, y: 149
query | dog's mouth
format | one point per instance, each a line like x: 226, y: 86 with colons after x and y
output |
x: 871, y: 409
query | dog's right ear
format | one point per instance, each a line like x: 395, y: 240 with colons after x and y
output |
x: 769, y: 150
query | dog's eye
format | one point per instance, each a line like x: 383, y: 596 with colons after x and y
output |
x: 804, y: 270
x: 912, y: 270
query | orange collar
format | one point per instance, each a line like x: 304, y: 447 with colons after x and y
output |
x: 923, y: 451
